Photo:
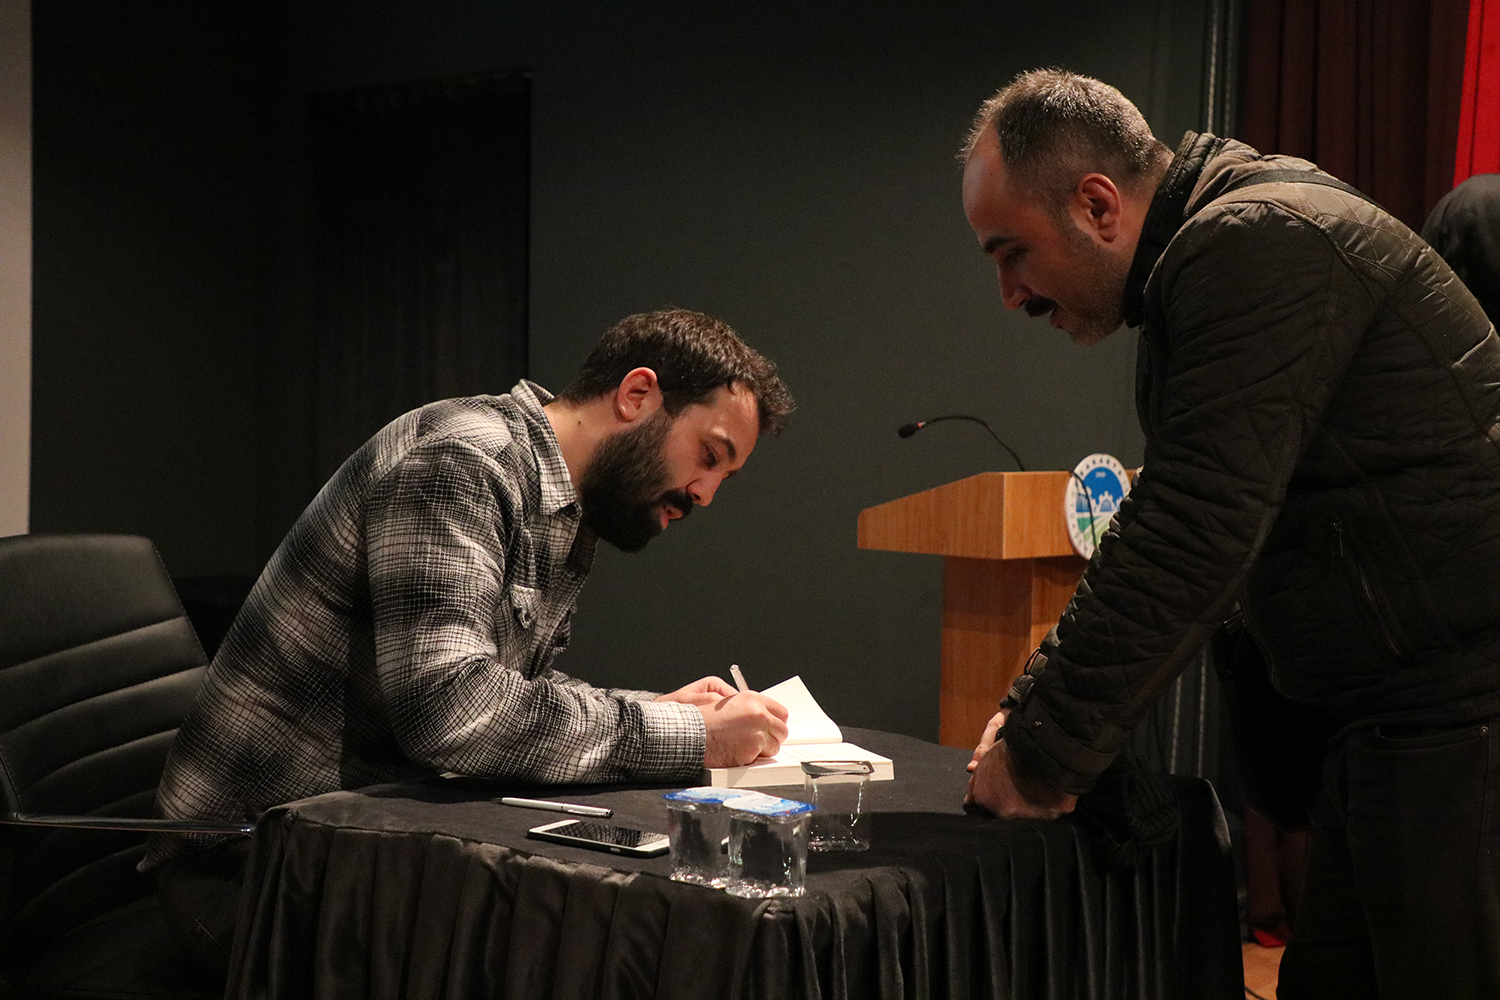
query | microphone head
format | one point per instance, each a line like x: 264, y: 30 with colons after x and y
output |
x: 907, y: 430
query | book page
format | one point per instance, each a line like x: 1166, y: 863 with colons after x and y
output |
x: 806, y: 721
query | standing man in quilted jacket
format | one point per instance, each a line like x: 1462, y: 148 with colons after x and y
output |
x: 1321, y: 401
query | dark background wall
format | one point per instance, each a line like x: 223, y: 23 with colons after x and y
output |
x: 789, y: 167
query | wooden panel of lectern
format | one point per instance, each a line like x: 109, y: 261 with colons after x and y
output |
x: 1009, y: 570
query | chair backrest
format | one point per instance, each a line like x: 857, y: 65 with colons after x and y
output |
x: 98, y: 665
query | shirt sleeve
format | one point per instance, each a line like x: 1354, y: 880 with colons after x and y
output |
x: 630, y: 694
x: 1261, y: 316
x: 436, y: 529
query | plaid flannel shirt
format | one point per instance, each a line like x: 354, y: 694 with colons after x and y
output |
x: 407, y: 626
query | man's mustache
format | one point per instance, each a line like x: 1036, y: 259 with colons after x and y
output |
x: 1038, y: 306
x: 680, y: 499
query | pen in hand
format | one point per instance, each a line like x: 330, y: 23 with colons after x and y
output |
x: 739, y: 678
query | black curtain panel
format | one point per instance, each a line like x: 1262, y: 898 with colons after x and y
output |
x: 420, y: 236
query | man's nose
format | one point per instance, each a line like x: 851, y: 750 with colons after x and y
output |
x: 703, y: 490
x: 1012, y: 292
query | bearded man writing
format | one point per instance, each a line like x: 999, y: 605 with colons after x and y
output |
x: 408, y: 623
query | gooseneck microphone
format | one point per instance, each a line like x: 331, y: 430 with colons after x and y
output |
x: 907, y: 430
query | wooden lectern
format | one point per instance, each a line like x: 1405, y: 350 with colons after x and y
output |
x: 1009, y: 570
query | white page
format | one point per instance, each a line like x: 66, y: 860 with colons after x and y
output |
x: 806, y: 721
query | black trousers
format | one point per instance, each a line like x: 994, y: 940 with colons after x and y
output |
x: 200, y: 895
x: 1402, y: 897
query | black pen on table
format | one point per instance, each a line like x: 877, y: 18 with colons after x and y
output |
x: 558, y: 807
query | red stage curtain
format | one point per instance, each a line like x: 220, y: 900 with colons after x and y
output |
x: 1367, y: 89
x: 1479, y: 112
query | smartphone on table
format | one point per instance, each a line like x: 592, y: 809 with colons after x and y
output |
x: 603, y: 837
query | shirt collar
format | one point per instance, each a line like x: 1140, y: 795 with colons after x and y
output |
x: 556, y: 485
x: 1165, y: 216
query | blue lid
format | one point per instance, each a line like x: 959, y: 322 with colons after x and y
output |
x: 705, y: 794
x: 769, y: 806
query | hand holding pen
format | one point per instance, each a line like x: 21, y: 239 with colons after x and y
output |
x: 743, y: 726
x: 739, y: 724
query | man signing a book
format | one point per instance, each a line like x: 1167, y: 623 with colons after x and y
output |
x: 408, y: 623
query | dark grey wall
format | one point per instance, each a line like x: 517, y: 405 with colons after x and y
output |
x: 148, y: 191
x: 789, y: 167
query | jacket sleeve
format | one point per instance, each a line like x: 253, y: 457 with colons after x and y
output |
x: 435, y: 544
x: 1257, y: 315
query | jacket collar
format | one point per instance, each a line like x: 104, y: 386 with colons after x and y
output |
x: 1166, y: 215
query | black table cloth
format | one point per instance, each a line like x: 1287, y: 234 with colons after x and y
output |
x: 430, y: 889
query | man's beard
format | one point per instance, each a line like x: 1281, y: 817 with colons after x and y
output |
x: 624, y: 487
x: 1099, y: 309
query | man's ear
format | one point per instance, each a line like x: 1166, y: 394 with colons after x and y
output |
x: 1097, y: 206
x: 638, y: 396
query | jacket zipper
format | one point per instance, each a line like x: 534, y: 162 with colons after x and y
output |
x: 1367, y: 590
x: 1247, y: 618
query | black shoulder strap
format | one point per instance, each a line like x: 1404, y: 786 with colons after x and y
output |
x: 1297, y: 177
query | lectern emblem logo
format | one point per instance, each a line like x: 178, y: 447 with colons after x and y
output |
x: 1095, y: 491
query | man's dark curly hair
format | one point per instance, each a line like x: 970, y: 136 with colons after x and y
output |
x: 692, y: 355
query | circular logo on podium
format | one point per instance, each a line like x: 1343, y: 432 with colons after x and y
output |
x: 1095, y: 491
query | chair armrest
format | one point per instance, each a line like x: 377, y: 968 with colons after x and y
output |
x: 133, y: 824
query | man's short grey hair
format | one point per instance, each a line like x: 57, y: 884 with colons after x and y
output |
x: 1055, y: 126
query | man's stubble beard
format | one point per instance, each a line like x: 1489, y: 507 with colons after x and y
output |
x: 625, y: 484
x: 1101, y: 310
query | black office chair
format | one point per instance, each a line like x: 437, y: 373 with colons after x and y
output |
x: 98, y: 665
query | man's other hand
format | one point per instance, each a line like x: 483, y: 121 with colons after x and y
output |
x: 704, y: 691
x: 987, y: 738
x: 995, y: 785
x: 742, y: 727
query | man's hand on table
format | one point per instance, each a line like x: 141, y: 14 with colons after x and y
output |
x: 995, y: 785
x: 741, y: 727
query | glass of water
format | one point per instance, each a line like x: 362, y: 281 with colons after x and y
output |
x: 698, y: 827
x: 838, y: 790
x: 767, y: 846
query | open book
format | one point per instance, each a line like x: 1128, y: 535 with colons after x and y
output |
x: 812, y: 735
